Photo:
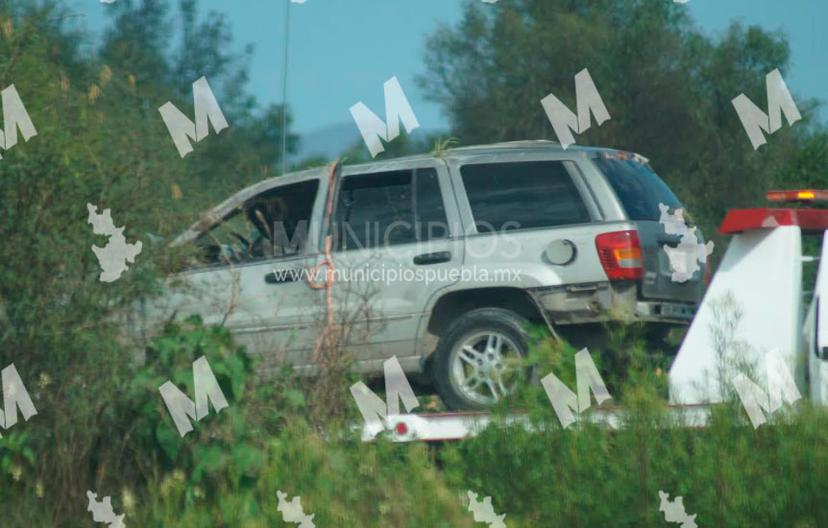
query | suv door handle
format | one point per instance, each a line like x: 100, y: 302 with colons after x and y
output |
x: 284, y: 276
x: 432, y: 258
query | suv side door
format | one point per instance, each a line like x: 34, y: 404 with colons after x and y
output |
x: 394, y: 229
x: 248, y: 276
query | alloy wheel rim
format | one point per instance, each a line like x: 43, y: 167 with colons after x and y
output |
x: 485, y: 367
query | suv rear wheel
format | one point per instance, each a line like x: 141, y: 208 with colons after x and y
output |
x: 480, y: 358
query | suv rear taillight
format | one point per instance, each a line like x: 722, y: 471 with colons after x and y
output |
x: 620, y: 254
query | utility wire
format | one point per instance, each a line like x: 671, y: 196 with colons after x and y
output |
x: 284, y: 88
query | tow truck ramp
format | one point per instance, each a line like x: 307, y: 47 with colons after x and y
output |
x: 451, y: 426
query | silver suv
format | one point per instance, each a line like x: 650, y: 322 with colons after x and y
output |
x: 443, y: 261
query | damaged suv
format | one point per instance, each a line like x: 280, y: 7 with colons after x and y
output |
x: 442, y: 261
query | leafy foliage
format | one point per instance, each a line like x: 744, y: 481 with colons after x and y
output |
x: 667, y: 85
x: 101, y: 423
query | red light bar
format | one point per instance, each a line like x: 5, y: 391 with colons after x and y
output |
x: 797, y: 195
x: 812, y: 221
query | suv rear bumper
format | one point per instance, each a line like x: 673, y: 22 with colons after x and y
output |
x: 607, y: 301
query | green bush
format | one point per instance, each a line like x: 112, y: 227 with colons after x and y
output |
x: 101, y: 423
x: 728, y: 473
x: 227, y: 471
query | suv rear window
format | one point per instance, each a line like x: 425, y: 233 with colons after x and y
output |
x: 522, y: 195
x: 638, y: 187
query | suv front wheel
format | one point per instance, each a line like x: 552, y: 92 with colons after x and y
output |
x: 481, y: 358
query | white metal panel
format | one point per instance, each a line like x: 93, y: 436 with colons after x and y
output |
x: 761, y: 275
x: 815, y: 332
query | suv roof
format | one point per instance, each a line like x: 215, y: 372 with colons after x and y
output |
x: 221, y: 210
x: 493, y: 148
x: 526, y: 144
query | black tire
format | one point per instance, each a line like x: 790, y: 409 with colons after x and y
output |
x: 496, y: 321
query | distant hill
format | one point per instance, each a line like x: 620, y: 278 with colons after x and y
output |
x: 330, y: 141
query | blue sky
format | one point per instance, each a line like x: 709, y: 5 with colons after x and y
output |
x: 341, y: 51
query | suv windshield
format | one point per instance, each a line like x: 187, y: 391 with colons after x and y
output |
x: 638, y: 187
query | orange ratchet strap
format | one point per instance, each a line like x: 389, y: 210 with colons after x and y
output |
x: 327, y: 261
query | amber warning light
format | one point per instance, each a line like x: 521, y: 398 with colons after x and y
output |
x: 800, y: 195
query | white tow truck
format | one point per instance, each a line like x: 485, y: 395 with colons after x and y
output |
x: 752, y: 315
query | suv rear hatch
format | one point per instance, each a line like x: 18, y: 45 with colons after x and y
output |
x: 640, y: 191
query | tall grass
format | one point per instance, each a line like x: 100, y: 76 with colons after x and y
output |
x: 227, y: 471
x: 728, y: 473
